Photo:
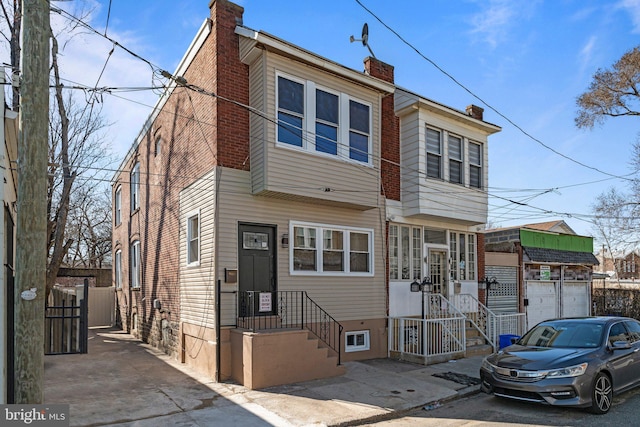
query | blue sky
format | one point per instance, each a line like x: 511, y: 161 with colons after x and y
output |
x: 528, y: 60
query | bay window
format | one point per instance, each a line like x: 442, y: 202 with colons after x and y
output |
x: 322, y: 121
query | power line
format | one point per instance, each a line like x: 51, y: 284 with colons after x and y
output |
x: 473, y: 94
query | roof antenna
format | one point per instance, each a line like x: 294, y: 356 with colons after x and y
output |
x: 364, y: 39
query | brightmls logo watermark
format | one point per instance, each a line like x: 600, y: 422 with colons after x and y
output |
x: 34, y: 415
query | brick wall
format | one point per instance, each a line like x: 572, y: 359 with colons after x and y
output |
x: 198, y: 131
x: 389, y: 132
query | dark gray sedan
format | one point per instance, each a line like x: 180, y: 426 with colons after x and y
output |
x: 579, y: 362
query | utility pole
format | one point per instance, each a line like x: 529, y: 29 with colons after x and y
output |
x: 31, y: 231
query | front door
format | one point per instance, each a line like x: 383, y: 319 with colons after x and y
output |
x: 256, y: 268
x: 437, y: 271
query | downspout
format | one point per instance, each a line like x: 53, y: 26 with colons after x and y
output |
x: 218, y: 284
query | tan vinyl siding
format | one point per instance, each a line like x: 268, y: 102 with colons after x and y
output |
x: 344, y: 297
x: 258, y: 124
x: 197, y: 283
x: 290, y: 172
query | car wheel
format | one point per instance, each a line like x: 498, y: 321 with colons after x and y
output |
x: 601, y: 394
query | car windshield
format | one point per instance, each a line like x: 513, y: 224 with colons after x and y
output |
x: 564, y: 334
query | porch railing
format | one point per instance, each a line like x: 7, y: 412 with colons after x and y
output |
x: 488, y: 323
x: 425, y: 338
x: 259, y: 311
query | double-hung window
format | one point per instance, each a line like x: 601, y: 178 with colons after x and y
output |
x: 323, y: 121
x: 290, y: 112
x: 135, y: 187
x: 434, y: 153
x: 475, y: 165
x: 135, y: 269
x: 339, y: 251
x: 193, y: 239
x: 456, y: 169
x: 327, y: 111
x: 359, y: 132
x: 117, y: 206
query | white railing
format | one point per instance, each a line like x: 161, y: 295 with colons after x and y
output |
x: 426, y: 337
x: 490, y: 325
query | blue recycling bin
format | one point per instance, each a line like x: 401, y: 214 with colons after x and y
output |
x: 505, y: 340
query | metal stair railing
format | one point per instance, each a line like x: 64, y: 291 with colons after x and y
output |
x: 489, y: 324
x: 289, y: 310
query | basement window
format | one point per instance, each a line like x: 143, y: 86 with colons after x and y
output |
x: 356, y: 341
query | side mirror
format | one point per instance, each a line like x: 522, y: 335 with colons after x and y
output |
x: 621, y: 345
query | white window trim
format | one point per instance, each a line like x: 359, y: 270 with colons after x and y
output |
x: 135, y: 273
x: 118, y: 206
x: 135, y: 187
x: 461, y: 161
x: 479, y: 166
x: 455, y: 263
x: 320, y: 228
x: 118, y: 269
x: 192, y: 214
x: 367, y: 341
x: 309, y: 122
x: 439, y: 155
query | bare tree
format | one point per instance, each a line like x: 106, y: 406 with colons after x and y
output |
x: 13, y: 19
x: 616, y: 223
x: 612, y: 93
x: 77, y: 153
x: 89, y: 226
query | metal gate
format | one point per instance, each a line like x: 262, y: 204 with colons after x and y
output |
x: 66, y: 326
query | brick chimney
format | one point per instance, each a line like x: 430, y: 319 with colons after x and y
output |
x: 229, y: 78
x: 389, y: 132
x: 475, y: 111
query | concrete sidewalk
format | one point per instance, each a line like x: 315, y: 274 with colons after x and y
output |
x: 123, y: 382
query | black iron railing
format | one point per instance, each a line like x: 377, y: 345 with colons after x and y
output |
x: 66, y: 321
x: 259, y: 311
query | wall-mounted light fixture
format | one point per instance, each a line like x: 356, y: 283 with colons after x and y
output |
x: 285, y: 240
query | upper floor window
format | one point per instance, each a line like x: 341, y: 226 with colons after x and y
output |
x: 117, y: 206
x: 320, y: 120
x: 340, y: 250
x: 135, y: 269
x: 434, y: 153
x: 456, y: 169
x: 117, y: 269
x: 193, y: 239
x: 475, y: 165
x: 158, y: 147
x: 135, y: 187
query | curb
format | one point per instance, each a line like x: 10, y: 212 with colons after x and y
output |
x: 463, y: 392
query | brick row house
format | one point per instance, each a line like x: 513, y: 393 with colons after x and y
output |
x: 272, y: 186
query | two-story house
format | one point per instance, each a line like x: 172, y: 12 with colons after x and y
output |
x: 267, y: 219
x: 442, y: 200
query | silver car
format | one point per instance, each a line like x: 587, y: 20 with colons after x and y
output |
x: 579, y: 362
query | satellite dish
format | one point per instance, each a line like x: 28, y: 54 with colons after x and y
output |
x: 365, y: 34
x: 364, y: 39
